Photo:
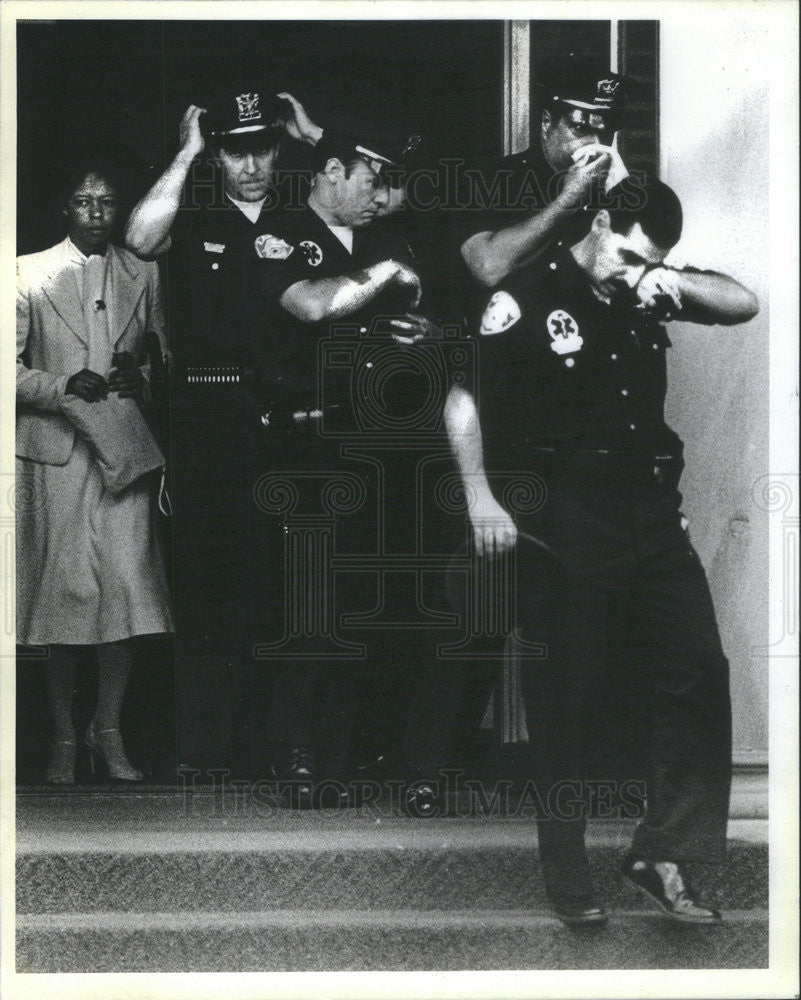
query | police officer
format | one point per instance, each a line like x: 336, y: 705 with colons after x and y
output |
x: 572, y: 387
x: 208, y: 228
x: 313, y: 268
x: 529, y: 199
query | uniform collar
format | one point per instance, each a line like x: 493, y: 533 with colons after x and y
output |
x: 248, y: 208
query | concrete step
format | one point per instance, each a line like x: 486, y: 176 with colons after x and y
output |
x: 356, y: 940
x: 458, y: 868
x: 149, y: 882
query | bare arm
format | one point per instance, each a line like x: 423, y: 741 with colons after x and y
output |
x: 491, y: 256
x: 147, y: 232
x: 315, y: 300
x: 494, y: 531
x: 698, y: 296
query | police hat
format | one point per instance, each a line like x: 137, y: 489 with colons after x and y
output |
x: 244, y: 115
x: 583, y: 86
x: 381, y: 144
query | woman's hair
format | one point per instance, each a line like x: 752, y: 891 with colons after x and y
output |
x: 109, y: 166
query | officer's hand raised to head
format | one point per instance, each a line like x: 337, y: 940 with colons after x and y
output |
x: 189, y: 134
x: 298, y: 124
x: 88, y: 385
x: 406, y: 278
x: 494, y: 531
x: 584, y: 173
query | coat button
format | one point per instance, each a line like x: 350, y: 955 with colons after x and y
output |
x: 362, y: 329
x: 569, y: 362
x: 215, y: 266
x: 552, y: 265
x: 368, y: 364
x: 613, y: 357
x: 624, y: 392
x: 633, y: 427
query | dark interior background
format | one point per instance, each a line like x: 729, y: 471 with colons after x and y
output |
x: 125, y: 84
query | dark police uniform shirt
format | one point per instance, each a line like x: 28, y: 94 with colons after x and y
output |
x: 299, y: 246
x: 207, y: 282
x: 561, y: 372
x: 500, y: 193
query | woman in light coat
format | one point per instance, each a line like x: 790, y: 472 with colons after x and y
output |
x: 90, y: 571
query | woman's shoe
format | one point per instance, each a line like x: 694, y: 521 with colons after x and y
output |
x: 61, y: 769
x: 107, y: 745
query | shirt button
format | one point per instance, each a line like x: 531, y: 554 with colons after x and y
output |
x: 552, y: 265
x: 624, y: 392
x: 215, y: 266
x: 570, y: 362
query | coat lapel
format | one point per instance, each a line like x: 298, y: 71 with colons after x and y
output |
x: 61, y: 289
x: 125, y: 286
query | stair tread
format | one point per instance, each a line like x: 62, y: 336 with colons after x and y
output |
x: 288, y: 831
x: 403, y: 918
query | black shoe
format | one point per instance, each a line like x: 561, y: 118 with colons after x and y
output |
x: 293, y: 768
x: 422, y: 799
x: 581, y: 911
x: 666, y: 884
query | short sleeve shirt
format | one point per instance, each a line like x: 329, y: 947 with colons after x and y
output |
x: 207, y: 282
x: 299, y: 246
x: 561, y: 371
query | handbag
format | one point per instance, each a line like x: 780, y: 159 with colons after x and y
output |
x: 119, y: 437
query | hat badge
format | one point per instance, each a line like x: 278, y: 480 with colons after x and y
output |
x: 248, y: 105
x: 606, y: 90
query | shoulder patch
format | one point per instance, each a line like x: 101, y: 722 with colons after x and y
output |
x: 502, y: 312
x: 312, y: 253
x: 564, y: 332
x: 272, y: 247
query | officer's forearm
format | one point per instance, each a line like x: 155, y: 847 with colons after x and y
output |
x: 147, y: 231
x: 709, y: 297
x: 490, y: 257
x: 316, y: 300
x: 464, y: 434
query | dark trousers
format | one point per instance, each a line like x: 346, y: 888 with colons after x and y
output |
x: 314, y: 507
x: 623, y: 555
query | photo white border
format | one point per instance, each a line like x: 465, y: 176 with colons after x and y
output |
x: 781, y: 979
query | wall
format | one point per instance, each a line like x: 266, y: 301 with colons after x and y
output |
x: 714, y: 153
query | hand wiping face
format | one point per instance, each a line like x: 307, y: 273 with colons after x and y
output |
x: 617, y: 169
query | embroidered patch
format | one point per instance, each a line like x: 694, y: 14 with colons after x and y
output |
x: 502, y: 312
x: 312, y: 253
x: 564, y: 331
x: 214, y: 247
x: 272, y: 247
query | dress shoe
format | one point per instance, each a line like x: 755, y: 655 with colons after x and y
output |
x: 666, y: 884
x: 422, y: 799
x: 107, y: 749
x: 293, y: 768
x: 581, y: 911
